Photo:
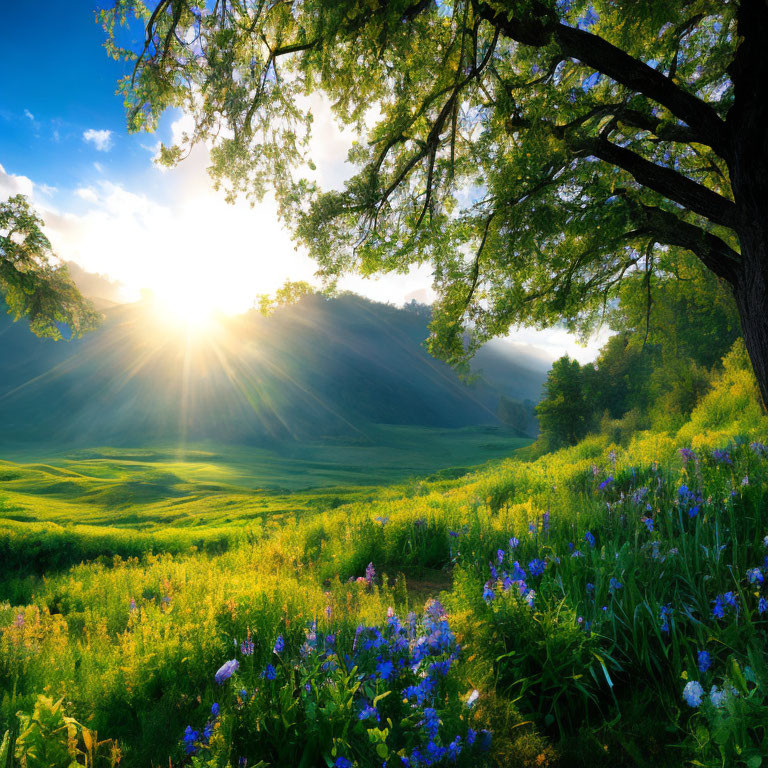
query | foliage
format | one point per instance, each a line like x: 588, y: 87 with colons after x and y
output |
x: 31, y: 283
x: 535, y: 153
x: 562, y: 410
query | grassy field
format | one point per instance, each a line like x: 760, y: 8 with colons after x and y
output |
x: 603, y: 605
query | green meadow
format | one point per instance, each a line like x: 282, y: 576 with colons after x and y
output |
x: 602, y: 604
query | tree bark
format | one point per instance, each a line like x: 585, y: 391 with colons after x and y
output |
x: 751, y: 293
x: 748, y: 167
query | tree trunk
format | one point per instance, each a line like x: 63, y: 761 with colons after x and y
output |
x: 748, y: 165
x: 751, y: 293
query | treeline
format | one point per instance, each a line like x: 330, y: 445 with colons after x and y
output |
x: 670, y: 337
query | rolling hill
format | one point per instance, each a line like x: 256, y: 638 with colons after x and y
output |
x: 321, y: 369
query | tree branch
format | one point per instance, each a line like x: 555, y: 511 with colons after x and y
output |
x: 665, y: 181
x: 606, y: 58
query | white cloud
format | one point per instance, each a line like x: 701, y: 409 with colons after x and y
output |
x: 11, y: 184
x: 102, y: 140
x: 28, y: 114
x: 87, y: 193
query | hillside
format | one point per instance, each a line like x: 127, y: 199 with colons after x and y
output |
x: 321, y: 368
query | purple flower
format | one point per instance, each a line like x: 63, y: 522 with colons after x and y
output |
x: 370, y: 573
x: 755, y: 576
x: 608, y: 480
x: 270, y: 673
x: 648, y: 523
x: 664, y: 613
x: 614, y: 585
x: 279, y: 644
x: 500, y: 553
x: 342, y: 762
x: 721, y: 456
x: 762, y: 606
x: 705, y: 661
x: 246, y: 647
x: 515, y: 542
x: 537, y: 567
x: 226, y: 670
x: 589, y: 538
x: 214, y: 710
x: 488, y: 593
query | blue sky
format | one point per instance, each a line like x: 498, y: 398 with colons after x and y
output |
x: 106, y: 205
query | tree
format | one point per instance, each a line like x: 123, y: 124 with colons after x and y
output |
x: 562, y: 411
x: 535, y: 152
x: 31, y: 282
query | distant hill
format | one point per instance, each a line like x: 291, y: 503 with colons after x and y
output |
x: 318, y: 369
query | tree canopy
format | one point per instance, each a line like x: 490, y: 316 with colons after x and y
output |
x: 31, y: 282
x: 534, y: 152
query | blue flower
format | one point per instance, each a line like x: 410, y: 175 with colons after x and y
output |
x: 664, y: 613
x: 719, y: 607
x: 608, y: 480
x: 190, y: 738
x: 614, y: 584
x: 226, y: 671
x: 471, y: 736
x: 384, y: 670
x: 755, y: 576
x: 500, y: 553
x: 368, y: 713
x: 246, y: 647
x: 342, y: 762
x: 693, y: 693
x: 270, y: 673
x: 762, y: 606
x: 518, y: 573
x: 488, y: 593
x: 717, y: 696
x: 687, y: 454
x: 648, y: 523
x: 537, y: 567
x: 214, y: 710
x: 705, y: 661
x: 279, y: 644
x: 590, y: 588
x: 589, y: 538
x: 431, y: 722
x: 514, y: 543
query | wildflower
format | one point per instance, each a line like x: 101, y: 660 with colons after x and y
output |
x: 431, y: 722
x: 755, y: 576
x: 518, y: 573
x: 664, y: 613
x: 589, y: 538
x: 515, y: 542
x: 745, y: 480
x: 19, y: 621
x: 545, y: 522
x: 648, y: 523
x: 384, y: 670
x: 214, y: 710
x: 342, y: 762
x: 717, y: 696
x: 758, y: 449
x: 488, y: 593
x: 537, y: 567
x: 529, y: 598
x: 608, y: 480
x: 472, y: 698
x: 577, y: 553
x: 687, y: 454
x: 279, y: 644
x: 453, y: 534
x: 693, y: 693
x: 454, y: 749
x: 132, y: 606
x: 590, y: 587
x: 614, y: 585
x: 730, y: 599
x: 269, y: 673
x: 226, y: 670
x: 719, y: 608
x: 370, y: 573
x: 704, y: 661
x: 190, y: 739
x: 246, y: 647
x: 500, y: 553
x: 765, y: 541
x: 762, y: 606
x: 471, y: 736
x: 383, y: 520
x: 368, y: 713
x: 328, y: 611
x: 721, y: 456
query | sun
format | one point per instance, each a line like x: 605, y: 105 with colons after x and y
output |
x: 186, y: 307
